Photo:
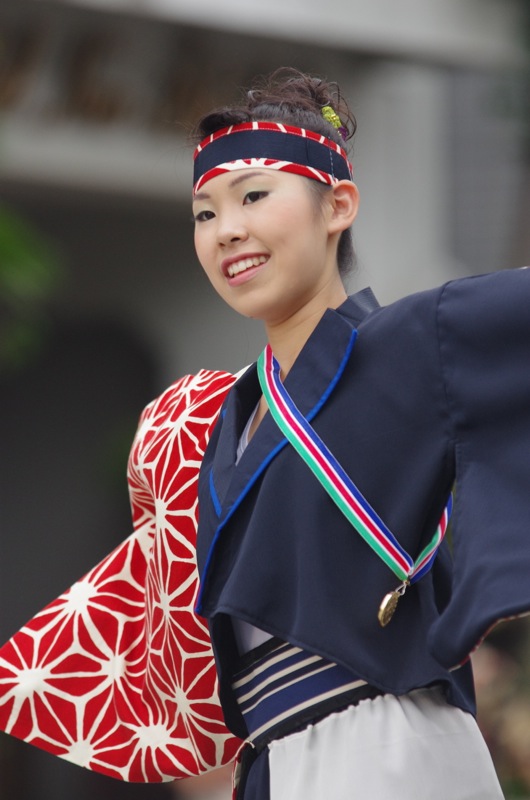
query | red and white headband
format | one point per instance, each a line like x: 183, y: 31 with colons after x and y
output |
x: 270, y: 145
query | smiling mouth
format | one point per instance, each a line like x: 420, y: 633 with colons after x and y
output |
x: 246, y: 263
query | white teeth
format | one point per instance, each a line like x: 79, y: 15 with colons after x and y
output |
x: 245, y: 263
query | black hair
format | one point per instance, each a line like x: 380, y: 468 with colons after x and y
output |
x: 294, y: 98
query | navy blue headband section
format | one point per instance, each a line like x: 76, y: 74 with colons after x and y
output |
x: 276, y: 145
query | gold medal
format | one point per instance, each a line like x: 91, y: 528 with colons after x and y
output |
x: 389, y: 604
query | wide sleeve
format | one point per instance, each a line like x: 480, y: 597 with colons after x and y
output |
x: 484, y: 341
x: 117, y: 674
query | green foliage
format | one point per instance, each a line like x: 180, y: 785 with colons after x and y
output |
x: 29, y: 274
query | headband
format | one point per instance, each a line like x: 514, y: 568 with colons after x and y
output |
x: 270, y: 145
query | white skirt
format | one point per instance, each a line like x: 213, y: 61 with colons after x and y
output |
x: 414, y: 747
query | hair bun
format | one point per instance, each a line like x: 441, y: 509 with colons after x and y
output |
x: 289, y: 96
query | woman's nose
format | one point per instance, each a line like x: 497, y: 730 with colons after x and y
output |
x: 231, y: 229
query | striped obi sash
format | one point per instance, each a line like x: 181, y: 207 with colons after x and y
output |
x: 284, y: 688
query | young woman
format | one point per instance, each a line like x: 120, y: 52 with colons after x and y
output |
x: 341, y: 632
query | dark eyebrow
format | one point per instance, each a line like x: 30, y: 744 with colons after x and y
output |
x: 244, y: 176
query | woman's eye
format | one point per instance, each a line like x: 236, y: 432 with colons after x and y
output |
x: 252, y: 197
x: 203, y: 216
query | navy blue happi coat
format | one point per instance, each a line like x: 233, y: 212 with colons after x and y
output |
x: 434, y: 392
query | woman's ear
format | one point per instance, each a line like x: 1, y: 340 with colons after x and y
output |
x: 345, y: 203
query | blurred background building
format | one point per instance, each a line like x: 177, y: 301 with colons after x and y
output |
x: 102, y: 302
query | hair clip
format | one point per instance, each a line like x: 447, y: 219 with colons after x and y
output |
x: 331, y: 116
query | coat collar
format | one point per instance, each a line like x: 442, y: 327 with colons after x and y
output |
x: 309, y: 382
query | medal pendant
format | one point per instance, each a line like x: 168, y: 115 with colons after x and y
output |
x: 389, y: 604
x: 387, y: 608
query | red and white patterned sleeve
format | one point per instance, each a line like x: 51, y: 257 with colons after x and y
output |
x: 117, y: 674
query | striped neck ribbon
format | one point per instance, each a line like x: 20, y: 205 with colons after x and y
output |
x: 338, y: 484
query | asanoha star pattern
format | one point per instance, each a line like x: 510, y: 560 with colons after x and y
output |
x: 117, y: 674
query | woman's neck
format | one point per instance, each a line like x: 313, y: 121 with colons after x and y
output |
x: 288, y: 337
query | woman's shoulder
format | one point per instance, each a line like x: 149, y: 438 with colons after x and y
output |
x: 189, y: 393
x: 490, y: 308
x: 181, y: 417
x: 499, y: 293
x: 192, y: 399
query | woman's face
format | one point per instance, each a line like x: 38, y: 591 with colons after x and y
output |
x: 264, y: 242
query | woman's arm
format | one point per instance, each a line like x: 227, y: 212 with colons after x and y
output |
x: 117, y: 674
x: 484, y: 336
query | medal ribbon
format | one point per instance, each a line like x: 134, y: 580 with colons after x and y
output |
x: 338, y: 484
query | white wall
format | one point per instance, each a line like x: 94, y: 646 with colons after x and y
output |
x: 454, y: 31
x: 401, y: 167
